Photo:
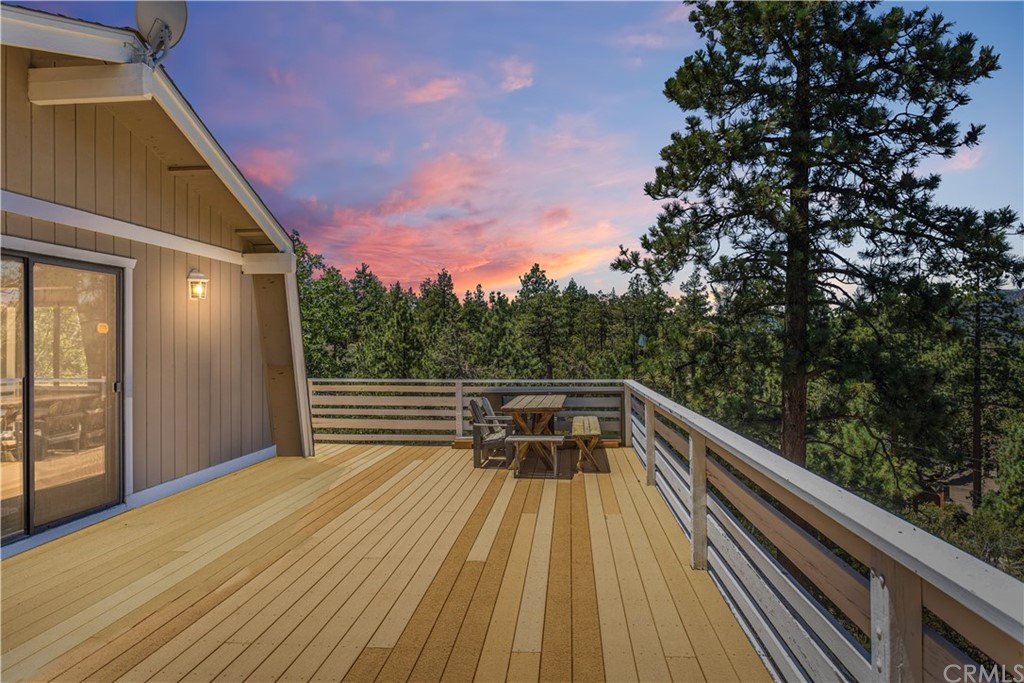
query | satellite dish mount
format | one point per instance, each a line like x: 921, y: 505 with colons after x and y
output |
x: 162, y: 24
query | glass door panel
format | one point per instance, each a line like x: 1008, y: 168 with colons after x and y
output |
x: 12, y: 400
x: 75, y: 434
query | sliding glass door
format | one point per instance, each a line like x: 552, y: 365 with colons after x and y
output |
x: 70, y: 457
x: 12, y: 397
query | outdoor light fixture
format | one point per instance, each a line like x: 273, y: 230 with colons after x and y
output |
x: 198, y: 284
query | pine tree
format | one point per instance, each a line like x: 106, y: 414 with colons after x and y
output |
x: 806, y: 126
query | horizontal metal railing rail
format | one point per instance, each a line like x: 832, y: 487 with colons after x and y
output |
x: 429, y: 411
x: 721, y: 487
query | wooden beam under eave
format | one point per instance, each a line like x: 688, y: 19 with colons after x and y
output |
x: 190, y: 171
x: 105, y: 84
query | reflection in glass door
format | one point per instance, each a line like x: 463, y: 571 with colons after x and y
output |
x: 74, y: 454
x: 60, y: 413
x: 12, y: 400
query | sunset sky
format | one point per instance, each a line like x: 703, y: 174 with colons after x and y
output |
x: 484, y: 137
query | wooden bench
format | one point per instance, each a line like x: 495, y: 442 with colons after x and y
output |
x: 586, y: 431
x: 522, y: 443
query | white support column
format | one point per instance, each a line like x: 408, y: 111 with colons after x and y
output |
x: 649, y: 452
x: 698, y: 501
x: 627, y: 417
x: 897, y: 645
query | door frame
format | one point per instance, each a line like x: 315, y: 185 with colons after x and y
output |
x: 32, y: 251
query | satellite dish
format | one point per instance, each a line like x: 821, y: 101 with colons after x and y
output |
x: 162, y: 24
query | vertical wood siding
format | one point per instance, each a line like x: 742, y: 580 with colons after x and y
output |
x: 199, y: 393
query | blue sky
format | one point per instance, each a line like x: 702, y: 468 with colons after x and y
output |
x: 482, y: 137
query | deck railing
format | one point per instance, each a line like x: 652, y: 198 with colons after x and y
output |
x: 877, y: 593
x: 425, y: 411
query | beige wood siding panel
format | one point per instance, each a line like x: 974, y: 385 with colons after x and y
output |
x: 245, y: 362
x: 65, y: 190
x: 199, y: 388
x: 42, y: 167
x: 141, y: 322
x: 167, y: 418
x: 104, y: 173
x: 3, y: 128
x: 180, y: 364
x: 122, y: 172
x: 205, y: 384
x: 215, y: 306
x: 236, y: 358
x: 85, y: 170
x: 154, y: 369
x: 17, y: 125
x: 226, y: 428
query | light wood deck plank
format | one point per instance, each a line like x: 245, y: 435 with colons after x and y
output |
x: 618, y: 651
x: 377, y: 563
x: 705, y: 613
x: 136, y: 639
x: 307, y: 577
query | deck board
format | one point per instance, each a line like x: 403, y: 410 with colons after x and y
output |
x: 376, y: 563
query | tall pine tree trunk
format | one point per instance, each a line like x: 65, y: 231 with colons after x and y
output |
x: 795, y: 357
x: 976, y: 465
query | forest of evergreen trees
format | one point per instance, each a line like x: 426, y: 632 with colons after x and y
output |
x: 831, y: 307
x: 891, y: 409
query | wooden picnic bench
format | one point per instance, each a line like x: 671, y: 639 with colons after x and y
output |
x: 586, y: 431
x: 523, y: 442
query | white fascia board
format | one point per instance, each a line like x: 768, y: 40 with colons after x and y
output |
x: 50, y: 33
x: 268, y: 264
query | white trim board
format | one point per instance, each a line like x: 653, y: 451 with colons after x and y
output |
x: 38, y: 30
x: 41, y: 209
x: 136, y: 500
x: 60, y: 251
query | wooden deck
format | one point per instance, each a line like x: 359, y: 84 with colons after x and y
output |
x: 377, y: 563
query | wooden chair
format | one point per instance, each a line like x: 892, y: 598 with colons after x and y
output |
x: 489, y: 436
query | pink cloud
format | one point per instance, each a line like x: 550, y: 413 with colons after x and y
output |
x: 556, y: 217
x: 648, y: 40
x: 485, y: 209
x: 964, y: 160
x: 448, y: 181
x: 271, y: 167
x: 518, y: 74
x: 677, y: 14
x: 435, y: 90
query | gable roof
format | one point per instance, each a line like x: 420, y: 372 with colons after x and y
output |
x: 37, y: 30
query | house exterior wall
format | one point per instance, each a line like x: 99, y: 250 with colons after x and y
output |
x: 198, y: 371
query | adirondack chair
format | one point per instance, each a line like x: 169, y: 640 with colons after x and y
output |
x: 489, y: 434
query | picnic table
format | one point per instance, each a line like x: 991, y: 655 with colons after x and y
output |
x: 533, y: 414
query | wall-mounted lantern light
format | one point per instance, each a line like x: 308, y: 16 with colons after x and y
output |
x: 198, y: 284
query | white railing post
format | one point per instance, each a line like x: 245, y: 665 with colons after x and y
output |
x: 458, y: 409
x: 649, y: 452
x: 897, y: 644
x: 627, y: 417
x: 698, y: 501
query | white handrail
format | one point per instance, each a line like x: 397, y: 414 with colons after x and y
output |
x: 980, y: 587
